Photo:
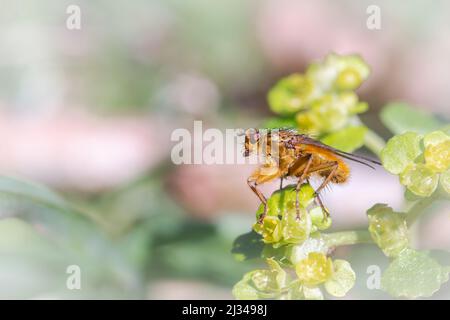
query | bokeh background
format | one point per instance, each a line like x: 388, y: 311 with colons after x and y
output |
x: 89, y: 114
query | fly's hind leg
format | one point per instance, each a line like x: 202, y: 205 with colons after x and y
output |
x: 323, y: 185
x: 252, y: 184
x: 318, y: 200
x: 299, y: 184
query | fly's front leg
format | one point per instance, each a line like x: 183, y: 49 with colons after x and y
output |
x: 281, y: 183
x: 252, y: 184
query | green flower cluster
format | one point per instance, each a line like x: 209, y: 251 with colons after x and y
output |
x: 422, y: 162
x: 294, y: 242
x: 282, y: 225
x: 337, y: 277
x: 322, y: 101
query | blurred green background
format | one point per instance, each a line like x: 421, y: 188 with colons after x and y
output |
x: 89, y: 113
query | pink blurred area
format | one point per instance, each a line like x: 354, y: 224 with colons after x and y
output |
x: 79, y: 151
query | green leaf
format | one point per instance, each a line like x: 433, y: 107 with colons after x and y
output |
x: 400, y: 151
x: 342, y: 280
x: 348, y: 139
x: 16, y: 193
x: 400, y: 117
x: 247, y: 246
x: 37, y: 204
x: 413, y: 274
x: 199, y: 252
x: 70, y: 229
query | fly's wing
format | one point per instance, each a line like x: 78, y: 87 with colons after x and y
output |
x: 350, y: 156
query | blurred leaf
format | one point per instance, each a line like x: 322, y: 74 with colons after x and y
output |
x: 290, y: 94
x: 400, y: 117
x: 199, y: 251
x: 280, y: 122
x: 12, y: 189
x: 81, y: 241
x: 348, y: 139
x: 247, y: 246
x: 400, y: 151
x: 413, y: 274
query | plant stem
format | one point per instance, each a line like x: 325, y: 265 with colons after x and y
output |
x: 417, y: 209
x: 374, y: 142
x: 347, y: 238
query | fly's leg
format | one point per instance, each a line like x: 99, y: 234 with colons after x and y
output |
x: 281, y: 183
x: 320, y: 203
x: 252, y: 185
x: 327, y: 180
x: 323, y: 185
x: 299, y: 184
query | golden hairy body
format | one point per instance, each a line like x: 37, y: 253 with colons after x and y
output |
x: 293, y: 164
x: 289, y: 154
